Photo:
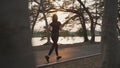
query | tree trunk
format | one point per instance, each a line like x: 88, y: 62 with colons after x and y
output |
x: 111, y: 51
x: 84, y: 27
x: 15, y: 35
x: 35, y: 19
x: 47, y: 29
x: 92, y: 22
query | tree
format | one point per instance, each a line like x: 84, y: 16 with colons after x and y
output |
x: 45, y: 18
x: 42, y: 9
x: 91, y: 19
x: 15, y: 35
x: 84, y: 13
x: 111, y: 51
x: 35, y: 19
x: 82, y: 19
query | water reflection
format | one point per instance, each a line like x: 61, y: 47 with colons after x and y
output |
x: 37, y: 41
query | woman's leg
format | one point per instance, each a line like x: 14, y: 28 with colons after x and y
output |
x: 51, y: 50
x: 56, y: 45
x: 53, y: 45
x: 56, y: 49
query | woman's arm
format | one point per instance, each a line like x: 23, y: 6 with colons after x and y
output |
x: 60, y: 25
x: 50, y: 28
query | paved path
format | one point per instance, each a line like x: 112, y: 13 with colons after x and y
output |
x: 67, y: 53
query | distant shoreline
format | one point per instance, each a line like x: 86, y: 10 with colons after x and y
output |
x: 39, y: 41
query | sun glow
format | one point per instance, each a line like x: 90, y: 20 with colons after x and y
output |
x: 61, y: 16
x: 58, y: 3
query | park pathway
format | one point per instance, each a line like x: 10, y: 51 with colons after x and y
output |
x: 67, y: 53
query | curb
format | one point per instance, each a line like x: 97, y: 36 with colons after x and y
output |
x: 73, y: 59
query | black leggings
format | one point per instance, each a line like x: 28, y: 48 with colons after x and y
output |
x: 55, y: 45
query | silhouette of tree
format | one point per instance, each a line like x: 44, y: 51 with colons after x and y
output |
x: 15, y: 35
x: 47, y: 29
x: 111, y: 51
x: 92, y: 22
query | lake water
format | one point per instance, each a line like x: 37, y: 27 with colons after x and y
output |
x: 38, y: 41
